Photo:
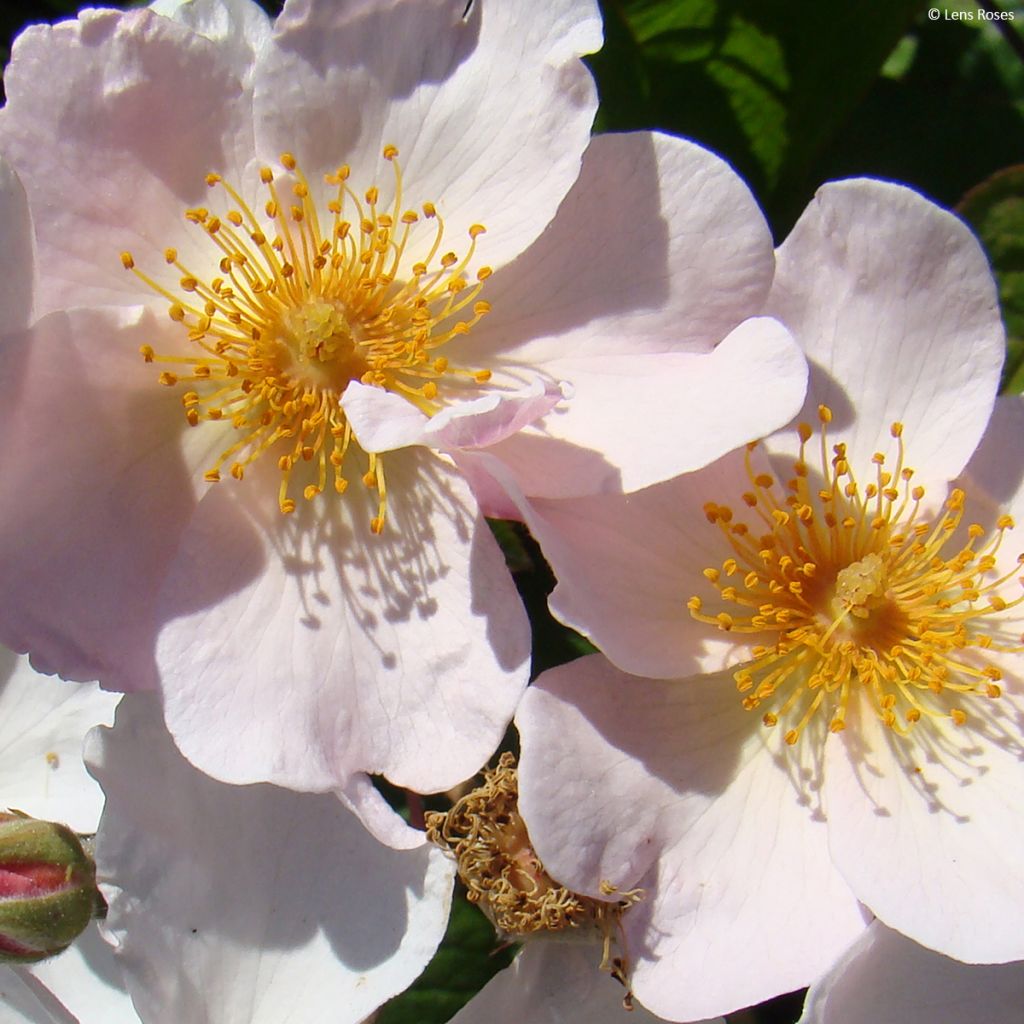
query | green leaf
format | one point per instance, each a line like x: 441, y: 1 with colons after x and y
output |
x: 553, y: 643
x: 621, y: 77
x: 948, y: 114
x: 767, y: 84
x: 510, y: 538
x: 467, y: 959
x: 995, y: 209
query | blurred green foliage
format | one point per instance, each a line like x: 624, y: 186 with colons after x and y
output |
x: 768, y: 84
x: 796, y: 92
x: 995, y: 209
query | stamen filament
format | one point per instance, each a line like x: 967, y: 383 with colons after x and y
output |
x: 855, y: 592
x: 297, y: 315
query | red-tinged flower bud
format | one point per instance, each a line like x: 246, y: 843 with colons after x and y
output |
x: 47, y: 888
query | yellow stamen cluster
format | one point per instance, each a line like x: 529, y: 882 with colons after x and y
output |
x: 857, y: 590
x: 305, y: 303
x: 504, y: 876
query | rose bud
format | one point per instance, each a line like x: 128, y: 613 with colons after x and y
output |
x: 47, y: 888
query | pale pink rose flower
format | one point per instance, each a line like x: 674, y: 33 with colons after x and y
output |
x: 823, y: 713
x: 306, y: 638
x: 885, y: 978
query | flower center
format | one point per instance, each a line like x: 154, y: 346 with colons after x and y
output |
x: 858, y: 584
x: 323, y: 343
x: 856, y: 590
x: 305, y: 302
x: 505, y: 878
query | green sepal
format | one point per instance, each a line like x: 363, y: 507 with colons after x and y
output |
x: 47, y: 921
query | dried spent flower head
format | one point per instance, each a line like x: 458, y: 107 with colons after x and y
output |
x: 505, y: 878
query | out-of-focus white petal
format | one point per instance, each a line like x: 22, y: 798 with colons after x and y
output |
x: 886, y: 979
x: 43, y: 722
x: 893, y: 301
x: 245, y: 905
x: 670, y: 786
x: 26, y: 1000
x: 82, y: 985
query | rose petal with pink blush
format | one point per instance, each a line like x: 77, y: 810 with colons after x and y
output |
x: 17, y: 253
x: 667, y: 279
x: 492, y: 418
x: 638, y: 420
x: 337, y: 650
x: 671, y: 786
x: 894, y: 303
x: 925, y: 829
x: 490, y: 125
x: 658, y: 247
x: 240, y: 27
x: 96, y: 492
x: 628, y: 564
x: 103, y: 174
